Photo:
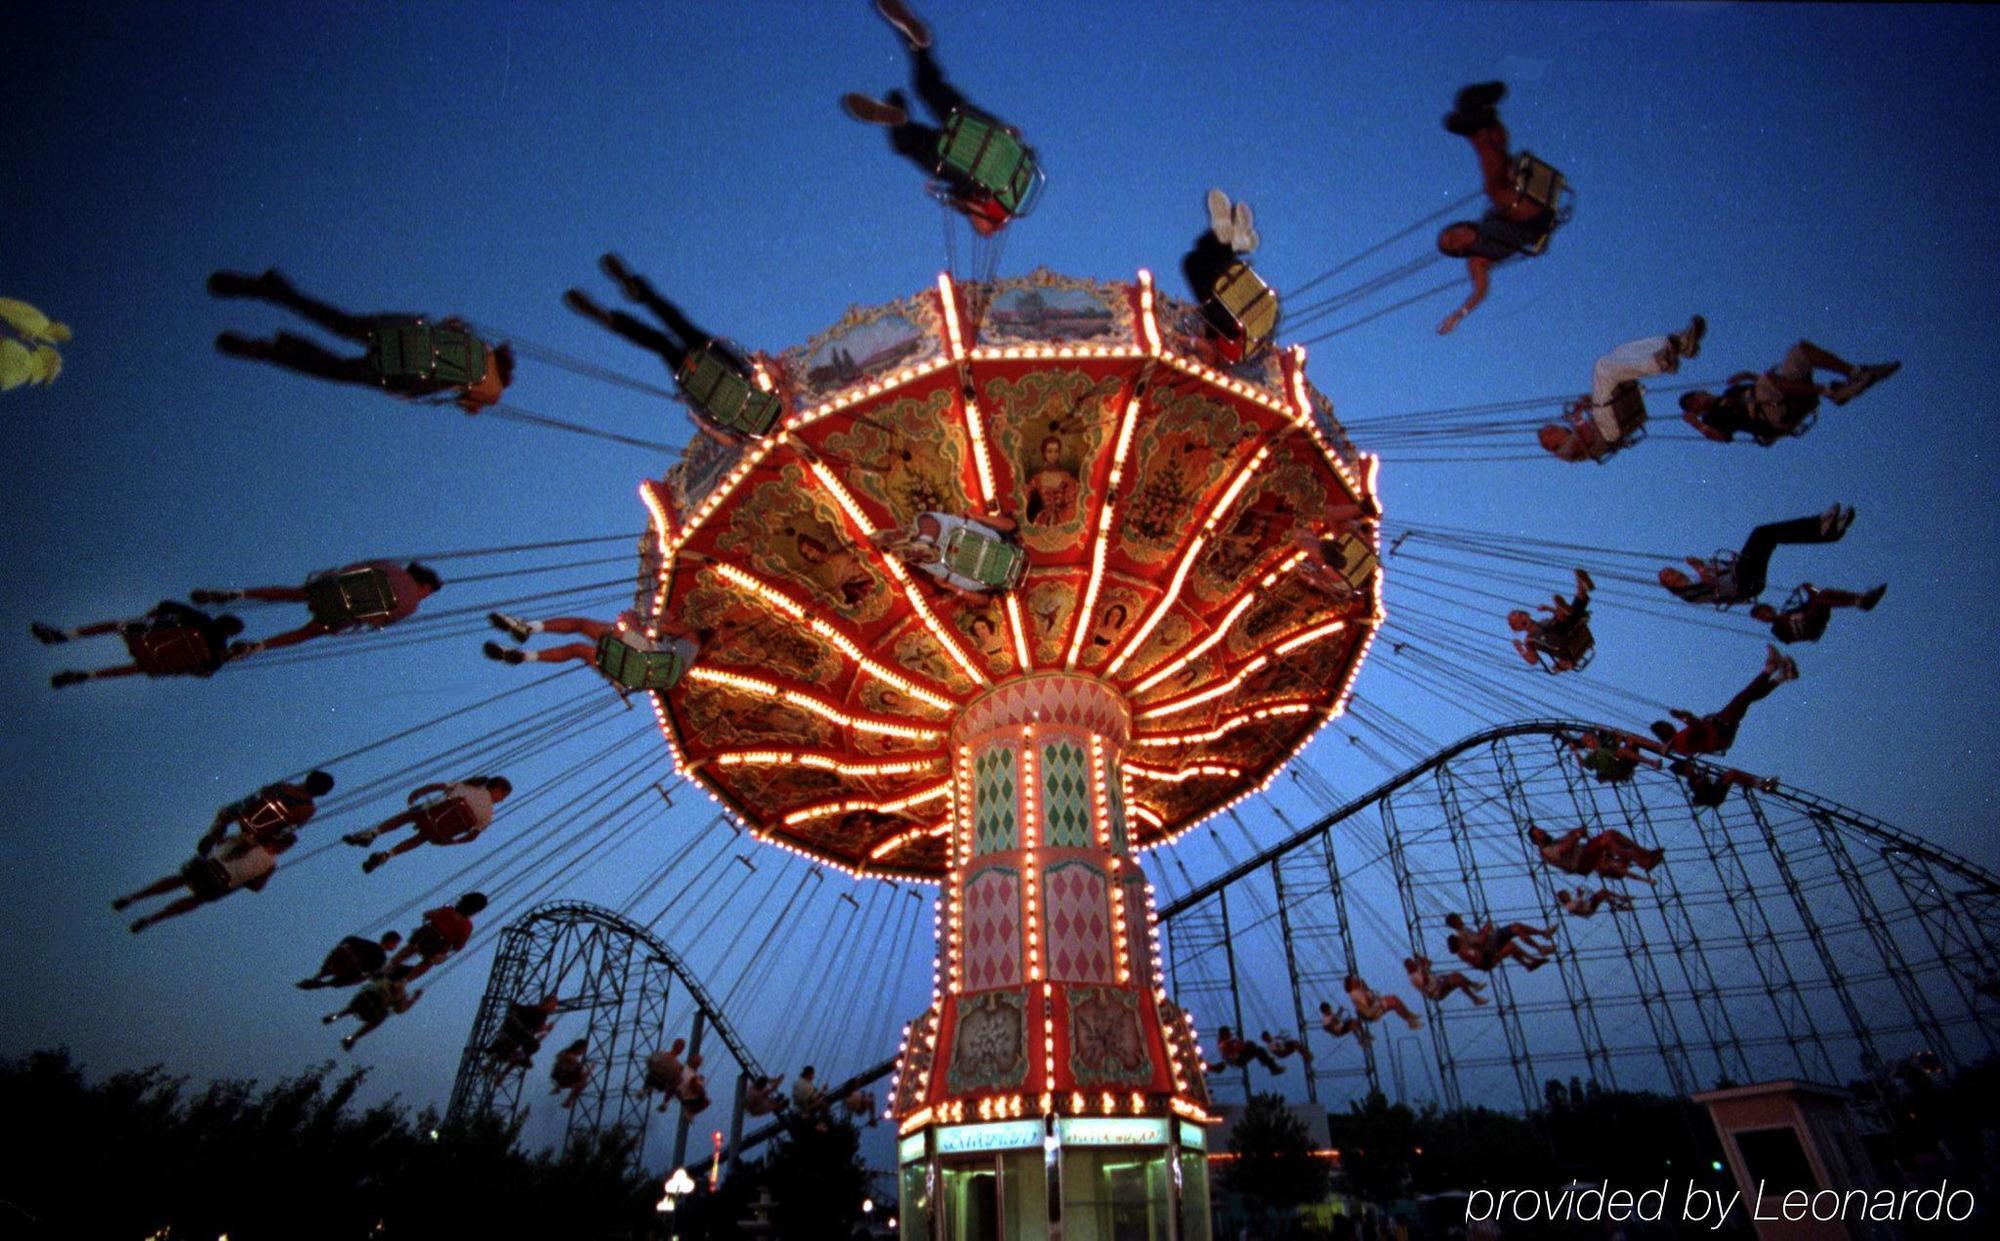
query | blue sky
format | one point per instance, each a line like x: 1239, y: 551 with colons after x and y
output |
x: 1787, y: 170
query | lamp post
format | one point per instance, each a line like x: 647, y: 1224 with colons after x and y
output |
x: 678, y: 1185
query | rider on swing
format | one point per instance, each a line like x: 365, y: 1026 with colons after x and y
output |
x: 1564, y: 639
x: 986, y: 172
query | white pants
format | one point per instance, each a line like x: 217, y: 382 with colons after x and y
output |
x: 1635, y: 360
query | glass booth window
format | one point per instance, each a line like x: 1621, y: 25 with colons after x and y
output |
x: 914, y: 1202
x: 1115, y: 1193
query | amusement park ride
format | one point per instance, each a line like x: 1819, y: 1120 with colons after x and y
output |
x: 1163, y: 591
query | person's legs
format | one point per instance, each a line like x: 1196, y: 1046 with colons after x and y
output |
x: 1496, y: 173
x: 1753, y: 562
x: 276, y: 289
x: 645, y: 336
x: 100, y: 627
x: 269, y: 594
x: 1633, y: 361
x: 171, y: 883
x: 584, y: 625
x: 402, y: 818
x: 585, y: 651
x: 175, y: 910
x: 939, y: 95
x: 309, y: 357
x: 1732, y: 712
x: 1805, y: 357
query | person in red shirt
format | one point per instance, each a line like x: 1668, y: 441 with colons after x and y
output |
x: 272, y: 810
x: 171, y: 640
x: 444, y: 931
x: 354, y: 959
x: 307, y: 357
x: 1715, y: 733
x: 367, y: 593
x: 1239, y: 1052
x: 460, y: 812
x: 572, y: 1072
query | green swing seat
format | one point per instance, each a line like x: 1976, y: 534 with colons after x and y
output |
x: 353, y: 596
x: 995, y: 563
x: 976, y: 150
x: 1539, y: 181
x: 634, y: 663
x: 416, y: 357
x: 724, y: 394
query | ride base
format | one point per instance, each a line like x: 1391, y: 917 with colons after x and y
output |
x: 1052, y: 1090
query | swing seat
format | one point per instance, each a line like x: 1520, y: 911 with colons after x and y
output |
x: 995, y: 563
x: 413, y: 357
x: 1628, y: 414
x: 167, y: 650
x: 634, y: 663
x: 1539, y: 182
x: 1243, y: 310
x: 351, y: 597
x: 270, y: 817
x: 1572, y: 644
x: 976, y: 153
x: 724, y: 392
x: 445, y: 818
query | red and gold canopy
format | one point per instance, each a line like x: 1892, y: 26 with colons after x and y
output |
x: 1164, y: 504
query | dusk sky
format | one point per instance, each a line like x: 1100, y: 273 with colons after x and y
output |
x: 1786, y: 170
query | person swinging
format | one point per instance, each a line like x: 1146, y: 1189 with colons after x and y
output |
x: 405, y: 355
x: 982, y: 168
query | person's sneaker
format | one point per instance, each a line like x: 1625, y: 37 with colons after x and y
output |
x: 579, y: 301
x: 61, y: 679
x: 47, y: 635
x: 494, y: 650
x: 621, y: 275
x: 907, y: 23
x: 140, y: 925
x: 347, y: 1044
x: 1769, y: 784
x: 1869, y: 598
x: 215, y: 596
x: 1834, y: 521
x: 1480, y: 96
x: 1243, y: 225
x: 873, y: 111
x: 1687, y: 341
x: 1663, y: 730
x: 361, y: 839
x: 329, y: 1019
x: 236, y: 284
x: 1465, y: 124
x: 1864, y: 378
x: 236, y: 345
x: 121, y: 902
x: 1221, y: 221
x: 373, y: 862
x: 512, y: 626
x: 1584, y: 581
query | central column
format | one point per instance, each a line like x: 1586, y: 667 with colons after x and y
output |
x: 1051, y: 1025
